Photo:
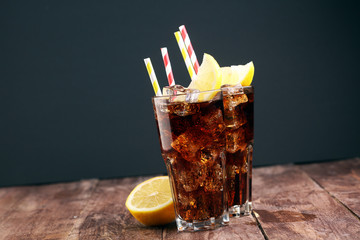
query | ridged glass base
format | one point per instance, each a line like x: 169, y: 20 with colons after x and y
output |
x: 237, y: 210
x: 248, y: 208
x: 212, y: 223
x: 241, y: 210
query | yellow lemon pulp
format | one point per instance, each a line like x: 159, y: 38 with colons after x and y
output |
x: 240, y: 74
x: 211, y: 77
x: 151, y: 202
x: 208, y: 78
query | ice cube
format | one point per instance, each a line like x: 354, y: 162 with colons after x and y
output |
x: 192, y: 95
x: 196, y: 206
x: 235, y: 117
x: 212, y: 121
x: 179, y: 93
x: 214, y: 179
x: 190, y: 142
x: 233, y: 96
x: 232, y: 89
x: 235, y: 140
x: 180, y: 101
x: 234, y: 114
x: 191, y: 176
x: 186, y: 200
x: 209, y: 154
x: 171, y: 156
x: 183, y: 108
x: 173, y: 90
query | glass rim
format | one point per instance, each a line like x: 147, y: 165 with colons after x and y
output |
x: 201, y: 92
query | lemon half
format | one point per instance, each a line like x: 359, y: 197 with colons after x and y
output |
x: 151, y: 202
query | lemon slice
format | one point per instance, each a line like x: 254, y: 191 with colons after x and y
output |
x: 208, y: 78
x: 209, y: 75
x: 151, y: 203
x: 240, y: 74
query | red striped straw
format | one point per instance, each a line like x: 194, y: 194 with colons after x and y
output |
x: 152, y: 76
x: 167, y: 64
x: 185, y: 55
x: 189, y: 47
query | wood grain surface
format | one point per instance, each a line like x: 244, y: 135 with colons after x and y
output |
x: 289, y: 205
x: 313, y: 201
x: 106, y: 217
x: 239, y: 228
x: 341, y: 179
x: 43, y: 212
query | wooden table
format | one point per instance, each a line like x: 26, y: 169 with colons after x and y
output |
x: 312, y: 201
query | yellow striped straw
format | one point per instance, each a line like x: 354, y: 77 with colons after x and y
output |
x: 151, y: 72
x: 185, y: 55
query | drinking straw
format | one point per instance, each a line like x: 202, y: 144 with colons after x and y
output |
x: 189, y: 48
x: 152, y: 76
x: 167, y: 64
x: 185, y: 55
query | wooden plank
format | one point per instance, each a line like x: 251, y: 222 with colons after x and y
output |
x: 43, y: 212
x: 341, y: 179
x: 239, y: 228
x: 9, y: 197
x: 106, y: 217
x: 289, y: 205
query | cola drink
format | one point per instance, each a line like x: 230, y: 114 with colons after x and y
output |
x: 193, y: 145
x: 239, y: 118
x: 206, y: 141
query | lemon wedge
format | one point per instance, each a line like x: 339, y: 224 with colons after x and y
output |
x: 151, y: 202
x: 240, y: 74
x: 209, y: 75
x: 208, y: 78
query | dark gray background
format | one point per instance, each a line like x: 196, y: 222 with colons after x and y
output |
x: 75, y: 95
